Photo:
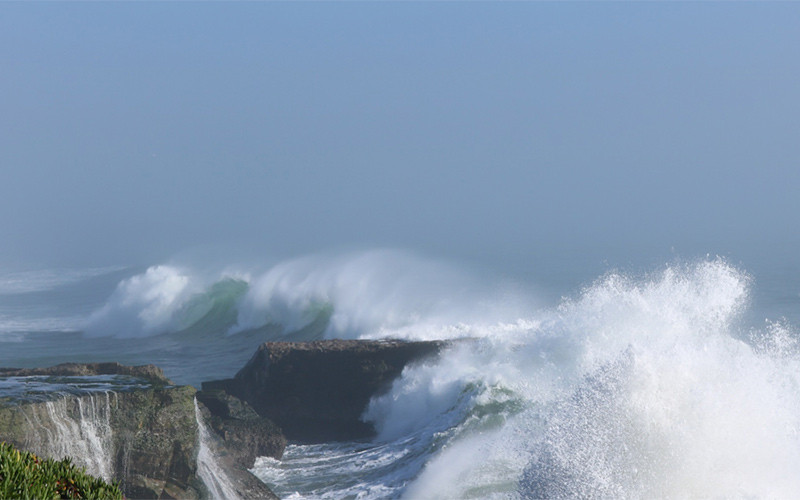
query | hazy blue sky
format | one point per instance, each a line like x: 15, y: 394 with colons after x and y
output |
x: 133, y: 131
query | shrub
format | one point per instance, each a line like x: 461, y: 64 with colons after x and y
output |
x: 23, y: 475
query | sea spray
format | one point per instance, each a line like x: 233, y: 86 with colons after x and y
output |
x: 637, y: 387
x: 144, y: 304
x: 371, y: 294
x: 217, y: 482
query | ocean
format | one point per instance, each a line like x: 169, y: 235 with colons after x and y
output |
x: 674, y: 380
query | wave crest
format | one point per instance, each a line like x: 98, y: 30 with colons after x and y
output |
x: 639, y: 387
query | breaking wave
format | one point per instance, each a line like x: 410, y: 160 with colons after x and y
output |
x: 167, y: 299
x: 363, y: 295
x: 638, y: 387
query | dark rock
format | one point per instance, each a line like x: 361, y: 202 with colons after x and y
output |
x: 317, y: 391
x: 246, y: 434
x: 234, y: 461
x: 155, y: 434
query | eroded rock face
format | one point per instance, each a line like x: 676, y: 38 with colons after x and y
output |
x: 127, y: 423
x: 144, y: 438
x: 317, y: 391
x: 142, y: 430
x: 156, y: 441
x: 246, y: 434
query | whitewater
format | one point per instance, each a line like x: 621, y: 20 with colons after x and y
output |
x: 681, y: 380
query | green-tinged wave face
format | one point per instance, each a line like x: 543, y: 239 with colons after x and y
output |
x: 212, y: 311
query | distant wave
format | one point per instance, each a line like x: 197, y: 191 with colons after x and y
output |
x: 14, y: 328
x: 374, y: 294
x: 166, y: 299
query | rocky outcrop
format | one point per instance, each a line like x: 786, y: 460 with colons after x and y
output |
x: 245, y: 433
x: 317, y: 391
x: 132, y: 424
x: 155, y: 438
x: 137, y: 428
x: 144, y: 438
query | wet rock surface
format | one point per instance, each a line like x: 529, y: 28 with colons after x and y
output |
x: 144, y: 436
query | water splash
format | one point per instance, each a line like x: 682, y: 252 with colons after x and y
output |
x: 640, y: 387
x: 79, y: 428
x: 213, y: 476
x: 637, y: 387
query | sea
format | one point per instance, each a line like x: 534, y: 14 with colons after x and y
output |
x: 679, y: 378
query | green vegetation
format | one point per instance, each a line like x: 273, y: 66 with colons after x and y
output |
x: 23, y: 475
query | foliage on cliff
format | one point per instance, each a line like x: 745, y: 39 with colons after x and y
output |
x: 24, y: 475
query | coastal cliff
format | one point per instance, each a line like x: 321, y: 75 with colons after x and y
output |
x: 159, y: 440
x: 128, y: 424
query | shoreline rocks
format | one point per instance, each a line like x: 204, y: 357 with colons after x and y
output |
x: 134, y: 425
x: 245, y: 434
x: 317, y: 391
x: 142, y: 432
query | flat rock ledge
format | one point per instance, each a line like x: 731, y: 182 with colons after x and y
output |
x: 150, y: 373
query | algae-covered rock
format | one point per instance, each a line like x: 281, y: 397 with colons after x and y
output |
x: 155, y: 435
x: 144, y: 438
x: 127, y: 424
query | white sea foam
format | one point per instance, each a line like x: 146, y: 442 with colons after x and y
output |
x: 638, y: 388
x: 219, y: 485
x: 145, y: 304
x: 375, y: 294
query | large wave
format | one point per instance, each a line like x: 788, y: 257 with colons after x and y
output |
x: 646, y: 386
x: 637, y: 388
x: 373, y: 294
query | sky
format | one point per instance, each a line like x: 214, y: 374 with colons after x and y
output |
x: 486, y: 131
